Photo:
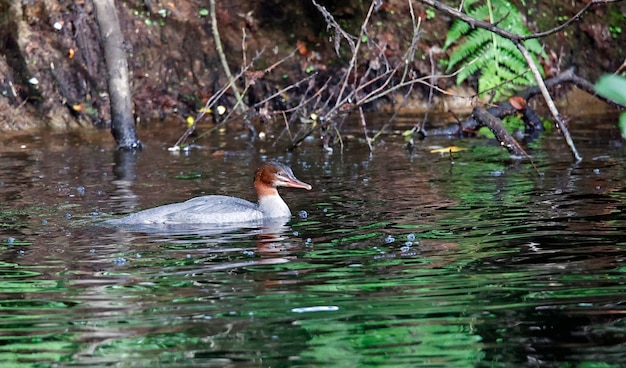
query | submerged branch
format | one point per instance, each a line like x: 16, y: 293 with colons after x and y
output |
x: 498, y: 129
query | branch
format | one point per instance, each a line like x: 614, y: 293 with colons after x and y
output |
x: 220, y: 52
x: 498, y: 129
x: 546, y: 96
x: 473, y: 22
x: 568, y: 22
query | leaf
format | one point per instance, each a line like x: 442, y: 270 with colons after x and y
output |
x: 450, y: 149
x: 518, y: 102
x: 613, y: 87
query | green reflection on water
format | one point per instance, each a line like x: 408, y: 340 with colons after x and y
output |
x: 392, y: 342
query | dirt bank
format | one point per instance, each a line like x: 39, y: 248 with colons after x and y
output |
x: 52, y: 70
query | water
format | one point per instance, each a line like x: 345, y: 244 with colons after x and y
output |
x: 393, y: 259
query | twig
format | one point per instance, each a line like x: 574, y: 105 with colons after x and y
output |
x: 573, y: 19
x: 430, y: 93
x: 355, y: 52
x: 220, y: 51
x: 281, y: 91
x: 364, y: 126
x: 339, y: 32
x: 473, y: 22
x: 549, y: 101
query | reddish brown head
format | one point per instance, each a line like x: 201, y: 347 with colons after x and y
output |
x: 274, y: 174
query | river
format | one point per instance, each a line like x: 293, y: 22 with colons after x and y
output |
x: 393, y: 259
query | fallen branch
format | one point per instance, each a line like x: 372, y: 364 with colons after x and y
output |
x: 506, y: 108
x: 502, y: 135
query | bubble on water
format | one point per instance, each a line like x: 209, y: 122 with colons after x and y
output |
x: 410, y: 237
x: 80, y: 190
x: 596, y: 171
x: 68, y: 216
x: 10, y: 240
x: 390, y: 239
x: 119, y: 261
x: 303, y: 214
x: 296, y: 233
x: 44, y: 222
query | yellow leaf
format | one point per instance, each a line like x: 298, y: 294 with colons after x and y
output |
x: 450, y: 149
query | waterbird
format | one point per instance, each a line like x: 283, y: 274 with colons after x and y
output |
x: 224, y: 210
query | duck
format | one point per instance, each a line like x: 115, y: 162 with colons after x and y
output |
x: 225, y: 210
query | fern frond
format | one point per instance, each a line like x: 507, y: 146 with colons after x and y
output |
x: 470, y: 68
x: 534, y: 46
x: 501, y: 66
x: 456, y: 31
x: 479, y: 12
x: 474, y: 44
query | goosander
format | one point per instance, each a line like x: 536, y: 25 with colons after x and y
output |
x: 222, y: 210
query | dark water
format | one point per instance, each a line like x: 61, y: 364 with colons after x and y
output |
x: 392, y: 260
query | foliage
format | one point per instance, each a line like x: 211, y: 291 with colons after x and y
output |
x: 614, y: 87
x: 500, y: 64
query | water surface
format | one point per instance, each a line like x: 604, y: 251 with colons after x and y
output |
x: 394, y: 259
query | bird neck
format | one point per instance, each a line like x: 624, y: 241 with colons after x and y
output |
x: 272, y: 205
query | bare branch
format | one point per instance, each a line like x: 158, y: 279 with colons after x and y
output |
x: 222, y: 56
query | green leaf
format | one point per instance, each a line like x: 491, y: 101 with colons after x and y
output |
x: 613, y: 87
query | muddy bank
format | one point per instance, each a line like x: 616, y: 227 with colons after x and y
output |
x: 52, y: 70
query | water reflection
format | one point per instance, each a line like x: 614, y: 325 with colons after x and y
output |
x: 403, y: 260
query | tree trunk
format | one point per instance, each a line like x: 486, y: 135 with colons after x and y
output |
x: 122, y: 122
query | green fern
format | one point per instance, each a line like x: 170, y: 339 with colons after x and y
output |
x: 501, y: 66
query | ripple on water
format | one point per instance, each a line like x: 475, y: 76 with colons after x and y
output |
x: 401, y: 260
